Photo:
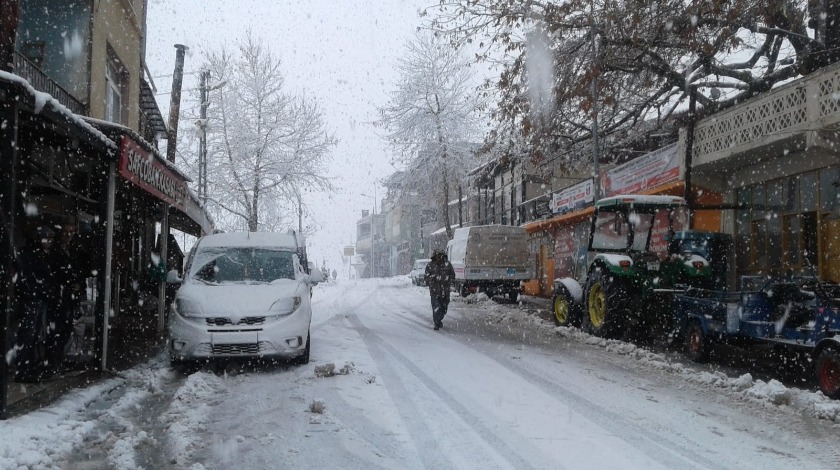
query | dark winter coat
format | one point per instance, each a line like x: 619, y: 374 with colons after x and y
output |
x: 439, y: 275
x: 70, y: 273
x: 36, y: 278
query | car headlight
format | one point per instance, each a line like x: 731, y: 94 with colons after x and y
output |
x: 286, y: 306
x: 187, y: 308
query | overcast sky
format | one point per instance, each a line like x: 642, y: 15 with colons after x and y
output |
x: 342, y: 52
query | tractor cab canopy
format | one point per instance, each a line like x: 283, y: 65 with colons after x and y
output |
x: 637, y: 223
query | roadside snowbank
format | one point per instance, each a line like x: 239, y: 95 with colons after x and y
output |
x: 745, y: 387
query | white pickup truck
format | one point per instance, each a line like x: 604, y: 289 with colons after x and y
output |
x: 490, y: 258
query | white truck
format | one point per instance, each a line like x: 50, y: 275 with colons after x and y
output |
x: 490, y: 258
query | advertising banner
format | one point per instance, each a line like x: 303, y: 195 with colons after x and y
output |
x: 573, y: 197
x: 643, y: 173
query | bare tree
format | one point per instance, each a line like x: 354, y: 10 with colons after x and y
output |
x: 642, y: 55
x: 266, y: 146
x: 432, y: 118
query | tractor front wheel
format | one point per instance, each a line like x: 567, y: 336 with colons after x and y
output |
x: 606, y: 303
x: 561, y: 307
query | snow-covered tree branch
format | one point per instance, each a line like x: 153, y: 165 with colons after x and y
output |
x: 266, y: 146
x: 432, y: 119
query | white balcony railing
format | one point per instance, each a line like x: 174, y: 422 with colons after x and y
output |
x: 808, y: 104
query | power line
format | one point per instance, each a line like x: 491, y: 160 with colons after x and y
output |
x: 172, y: 74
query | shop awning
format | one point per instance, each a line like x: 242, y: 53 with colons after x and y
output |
x: 143, y: 166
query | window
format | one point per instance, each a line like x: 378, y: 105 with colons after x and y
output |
x: 830, y: 189
x: 611, y: 231
x: 34, y: 52
x: 115, y: 85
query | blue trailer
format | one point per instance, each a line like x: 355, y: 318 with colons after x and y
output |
x: 801, y: 315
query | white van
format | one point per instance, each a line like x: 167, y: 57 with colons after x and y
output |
x: 490, y: 258
x: 243, y: 295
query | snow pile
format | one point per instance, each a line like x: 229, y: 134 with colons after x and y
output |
x: 188, y: 412
x: 40, y: 438
x: 471, y: 299
x: 745, y: 387
x: 328, y: 370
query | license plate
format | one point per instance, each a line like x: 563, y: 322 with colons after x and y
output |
x: 511, y: 271
x: 653, y: 265
x: 234, y: 337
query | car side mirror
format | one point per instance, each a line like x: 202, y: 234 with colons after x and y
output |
x: 172, y: 277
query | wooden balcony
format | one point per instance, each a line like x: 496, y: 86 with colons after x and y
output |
x: 42, y: 82
x: 802, y: 114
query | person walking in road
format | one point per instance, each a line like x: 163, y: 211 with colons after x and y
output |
x: 439, y: 277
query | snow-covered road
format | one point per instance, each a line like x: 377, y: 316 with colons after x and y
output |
x: 496, y: 388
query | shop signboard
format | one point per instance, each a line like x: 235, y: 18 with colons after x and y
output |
x: 140, y: 166
x: 572, y: 198
x: 643, y: 173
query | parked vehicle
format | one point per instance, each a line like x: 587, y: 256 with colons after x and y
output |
x: 243, y: 295
x: 800, y: 315
x: 635, y: 263
x: 418, y: 272
x: 490, y: 258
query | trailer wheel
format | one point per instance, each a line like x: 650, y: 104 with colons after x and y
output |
x: 828, y: 372
x: 605, y: 299
x: 561, y: 307
x: 513, y: 295
x: 697, y: 343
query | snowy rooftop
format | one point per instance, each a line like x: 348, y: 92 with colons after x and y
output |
x: 43, y: 99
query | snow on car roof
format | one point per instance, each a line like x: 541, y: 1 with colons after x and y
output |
x: 250, y: 239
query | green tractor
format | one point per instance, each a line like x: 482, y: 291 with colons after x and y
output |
x: 638, y: 256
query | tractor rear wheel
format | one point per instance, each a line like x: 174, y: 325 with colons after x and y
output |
x: 828, y: 372
x: 697, y: 343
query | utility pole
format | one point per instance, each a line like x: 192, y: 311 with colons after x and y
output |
x: 595, y: 156
x: 175, y: 103
x: 202, y: 141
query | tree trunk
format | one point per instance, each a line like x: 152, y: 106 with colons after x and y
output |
x: 253, y: 222
x: 443, y: 156
x: 446, y: 203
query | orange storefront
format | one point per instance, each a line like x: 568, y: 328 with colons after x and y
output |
x: 559, y: 244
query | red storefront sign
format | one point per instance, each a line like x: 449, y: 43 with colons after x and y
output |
x: 140, y: 166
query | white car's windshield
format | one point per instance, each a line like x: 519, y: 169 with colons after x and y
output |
x: 242, y: 265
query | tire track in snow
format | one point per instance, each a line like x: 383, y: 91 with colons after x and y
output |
x: 418, y: 429
x: 665, y: 451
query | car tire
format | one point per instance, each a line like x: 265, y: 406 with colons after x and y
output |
x: 513, y: 296
x: 303, y: 359
x: 606, y: 303
x: 697, y: 344
x: 828, y: 372
x: 463, y: 291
